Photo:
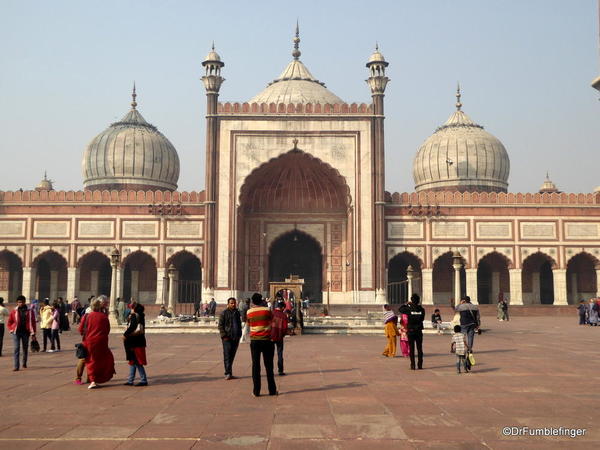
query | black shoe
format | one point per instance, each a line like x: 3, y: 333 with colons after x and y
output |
x: 282, y: 374
x: 128, y: 384
x: 230, y: 377
x: 420, y: 367
x: 15, y: 369
x: 274, y: 393
x: 141, y: 384
x: 255, y: 395
x: 24, y: 366
x: 412, y: 367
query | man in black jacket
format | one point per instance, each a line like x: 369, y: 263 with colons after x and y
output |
x: 230, y: 327
x: 416, y: 315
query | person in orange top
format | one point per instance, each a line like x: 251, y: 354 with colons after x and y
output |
x: 259, y: 318
x: 390, y: 327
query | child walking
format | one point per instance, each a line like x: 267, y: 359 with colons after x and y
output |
x: 460, y: 347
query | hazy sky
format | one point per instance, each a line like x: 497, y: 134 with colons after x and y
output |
x: 525, y: 67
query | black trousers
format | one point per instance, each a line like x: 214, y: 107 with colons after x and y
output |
x: 47, y: 334
x: 279, y: 345
x: 55, y: 340
x: 230, y: 347
x: 1, y: 337
x: 415, y: 337
x: 267, y: 350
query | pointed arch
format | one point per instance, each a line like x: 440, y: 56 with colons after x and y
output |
x: 537, y: 278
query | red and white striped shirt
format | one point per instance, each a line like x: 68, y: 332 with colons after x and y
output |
x: 259, y: 319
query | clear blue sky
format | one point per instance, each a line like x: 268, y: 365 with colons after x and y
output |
x: 525, y: 68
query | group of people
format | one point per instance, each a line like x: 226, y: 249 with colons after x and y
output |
x: 408, y: 325
x: 267, y: 329
x: 589, y: 312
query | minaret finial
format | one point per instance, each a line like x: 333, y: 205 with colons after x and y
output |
x: 213, y: 46
x: 133, y: 96
x: 376, y: 46
x: 296, y: 53
x: 458, y: 103
x: 45, y: 175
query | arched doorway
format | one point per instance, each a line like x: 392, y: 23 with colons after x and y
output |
x: 538, y: 280
x: 139, y: 278
x: 51, y: 275
x: 443, y: 280
x: 11, y: 275
x: 492, y: 278
x: 188, y: 276
x: 397, y: 291
x: 95, y: 275
x: 297, y: 253
x: 291, y: 192
x: 581, y: 278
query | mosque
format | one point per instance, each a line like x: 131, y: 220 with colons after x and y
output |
x: 295, y: 185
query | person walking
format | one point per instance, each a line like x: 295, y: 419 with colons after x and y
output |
x: 21, y: 324
x: 582, y: 310
x: 120, y: 310
x: 243, y: 315
x: 99, y: 362
x: 230, y: 328
x: 416, y: 315
x: 259, y: 319
x: 390, y: 328
x: 460, y: 347
x: 46, y: 318
x: 134, y: 339
x: 469, y: 319
x: 279, y: 328
x: 3, y: 317
x: 75, y: 306
x: 55, y: 328
x: 592, y: 313
x: 63, y: 315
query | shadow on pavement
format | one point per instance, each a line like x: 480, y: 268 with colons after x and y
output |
x: 328, y: 387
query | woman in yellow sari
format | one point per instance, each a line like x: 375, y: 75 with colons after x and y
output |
x: 390, y: 327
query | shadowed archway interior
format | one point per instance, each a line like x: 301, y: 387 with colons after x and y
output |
x: 299, y: 254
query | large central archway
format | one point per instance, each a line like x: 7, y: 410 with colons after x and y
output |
x: 296, y: 253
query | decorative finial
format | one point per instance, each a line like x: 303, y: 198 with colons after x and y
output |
x: 376, y: 46
x: 45, y: 176
x: 458, y: 103
x: 213, y: 46
x: 295, y: 142
x: 296, y: 53
x: 133, y: 96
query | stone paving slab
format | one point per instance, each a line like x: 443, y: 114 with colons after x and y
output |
x: 340, y: 393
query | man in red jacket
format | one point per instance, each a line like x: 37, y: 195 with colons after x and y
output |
x: 21, y: 324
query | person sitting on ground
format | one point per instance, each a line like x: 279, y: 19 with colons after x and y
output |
x: 436, y: 320
x: 164, y: 313
x: 460, y: 347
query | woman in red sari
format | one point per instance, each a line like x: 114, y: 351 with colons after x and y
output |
x: 94, y: 329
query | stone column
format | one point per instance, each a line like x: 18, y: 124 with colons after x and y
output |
x: 427, y: 285
x: 72, y: 283
x: 457, y: 268
x: 160, y: 286
x: 471, y: 276
x: 597, y: 283
x: 495, y: 287
x: 536, y: 297
x: 29, y: 274
x: 53, y: 285
x: 516, y: 287
x: 172, y: 275
x: 94, y: 283
x: 574, y: 290
x: 120, y: 283
x: 409, y: 278
x: 560, y: 286
x: 135, y: 288
x: 112, y: 308
x: 16, y: 287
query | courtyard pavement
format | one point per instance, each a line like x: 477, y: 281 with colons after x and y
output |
x: 340, y: 393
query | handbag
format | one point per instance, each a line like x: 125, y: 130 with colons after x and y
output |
x: 139, y: 329
x: 35, y: 345
x: 471, y: 358
x: 80, y: 351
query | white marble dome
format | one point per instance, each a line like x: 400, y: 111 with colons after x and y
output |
x: 130, y: 154
x: 461, y: 156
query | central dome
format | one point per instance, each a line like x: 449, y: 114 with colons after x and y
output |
x: 461, y: 156
x: 130, y: 154
x: 296, y: 85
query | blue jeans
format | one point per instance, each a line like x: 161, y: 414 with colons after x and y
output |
x: 469, y: 330
x: 140, y: 369
x: 20, y: 339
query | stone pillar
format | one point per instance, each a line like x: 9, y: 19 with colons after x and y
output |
x: 53, y: 285
x: 471, y: 276
x: 535, y: 288
x: 112, y: 308
x: 160, y: 286
x: 516, y: 287
x: 409, y: 284
x: 29, y: 274
x: 172, y: 275
x: 119, y: 291
x: 94, y: 283
x: 495, y: 287
x: 427, y: 285
x: 72, y: 283
x: 135, y: 288
x: 16, y: 287
x: 457, y: 268
x: 574, y: 290
x: 597, y: 284
x: 560, y: 286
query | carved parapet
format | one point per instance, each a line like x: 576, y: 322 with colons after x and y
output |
x: 291, y: 108
x: 493, y: 198
x: 101, y: 196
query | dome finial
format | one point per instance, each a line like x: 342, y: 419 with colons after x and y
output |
x: 133, y: 96
x: 458, y: 103
x: 213, y: 46
x: 376, y: 46
x: 296, y: 53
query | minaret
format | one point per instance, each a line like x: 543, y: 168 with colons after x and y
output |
x: 377, y: 81
x: 212, y: 80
